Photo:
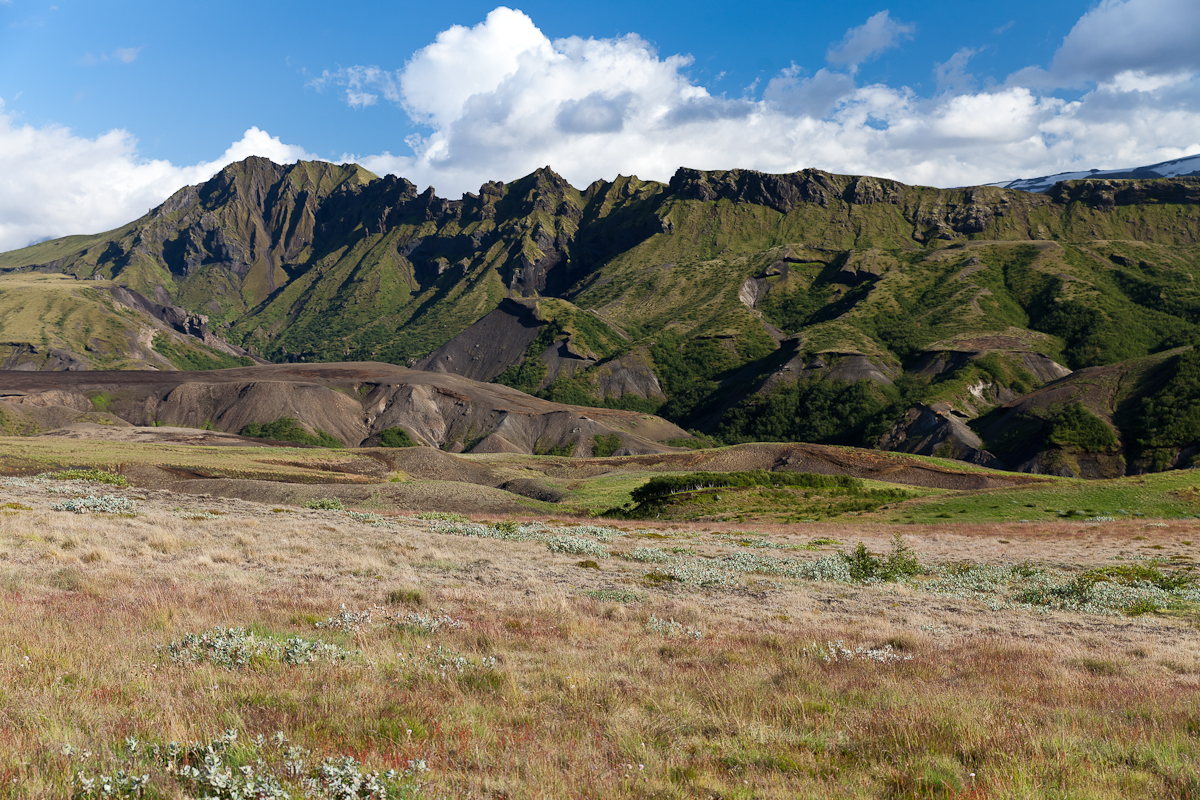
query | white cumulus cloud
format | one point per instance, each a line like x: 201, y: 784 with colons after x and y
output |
x: 501, y: 99
x: 54, y: 183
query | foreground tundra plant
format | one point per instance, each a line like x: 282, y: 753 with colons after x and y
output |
x: 235, y: 648
x: 427, y: 623
x: 834, y: 652
x: 107, y: 503
x: 346, y: 621
x: 260, y: 769
x: 670, y: 627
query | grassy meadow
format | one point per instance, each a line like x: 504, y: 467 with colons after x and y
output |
x: 170, y: 645
x: 1174, y: 495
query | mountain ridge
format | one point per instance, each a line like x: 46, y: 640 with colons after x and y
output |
x: 721, y: 299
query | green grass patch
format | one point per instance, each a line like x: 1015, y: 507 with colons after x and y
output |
x: 1170, y: 495
x: 196, y: 358
x: 604, y: 446
x: 93, y: 475
x: 396, y: 437
x: 1075, y: 426
x: 102, y: 401
x: 287, y: 429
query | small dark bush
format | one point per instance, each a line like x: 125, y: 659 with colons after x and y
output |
x: 900, y: 562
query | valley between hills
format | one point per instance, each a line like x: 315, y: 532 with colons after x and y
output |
x: 743, y: 485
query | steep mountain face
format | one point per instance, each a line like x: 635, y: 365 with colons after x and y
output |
x: 810, y: 306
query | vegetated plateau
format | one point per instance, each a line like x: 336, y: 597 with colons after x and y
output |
x: 1048, y: 333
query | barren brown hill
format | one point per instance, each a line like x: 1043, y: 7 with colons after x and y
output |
x: 352, y: 402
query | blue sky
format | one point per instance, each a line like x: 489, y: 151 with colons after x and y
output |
x: 108, y: 107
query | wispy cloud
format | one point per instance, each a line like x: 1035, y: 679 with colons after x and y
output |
x: 362, y: 85
x: 880, y: 32
x: 952, y: 75
x: 125, y: 55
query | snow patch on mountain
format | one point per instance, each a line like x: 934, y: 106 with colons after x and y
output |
x: 1177, y: 168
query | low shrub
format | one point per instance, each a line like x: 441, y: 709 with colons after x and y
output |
x: 899, y: 563
x: 107, y: 504
x: 396, y: 437
x: 235, y: 648
x: 287, y: 429
x: 326, y: 504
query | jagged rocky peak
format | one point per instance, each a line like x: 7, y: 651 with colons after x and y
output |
x: 595, y: 188
x: 780, y: 192
x: 250, y: 181
x: 256, y: 180
x: 544, y: 191
x: 865, y: 190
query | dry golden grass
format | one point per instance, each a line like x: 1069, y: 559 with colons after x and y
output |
x: 585, y: 700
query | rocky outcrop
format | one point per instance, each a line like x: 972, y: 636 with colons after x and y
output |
x: 629, y: 375
x: 834, y: 366
x: 32, y: 357
x: 1104, y: 194
x: 179, y: 319
x: 1022, y: 431
x: 780, y: 192
x: 1074, y: 463
x: 937, y: 431
x: 563, y: 359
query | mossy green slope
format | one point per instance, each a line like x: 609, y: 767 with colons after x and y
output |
x: 50, y: 321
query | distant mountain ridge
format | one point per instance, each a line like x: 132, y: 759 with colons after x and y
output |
x: 801, y: 307
x: 1188, y: 166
